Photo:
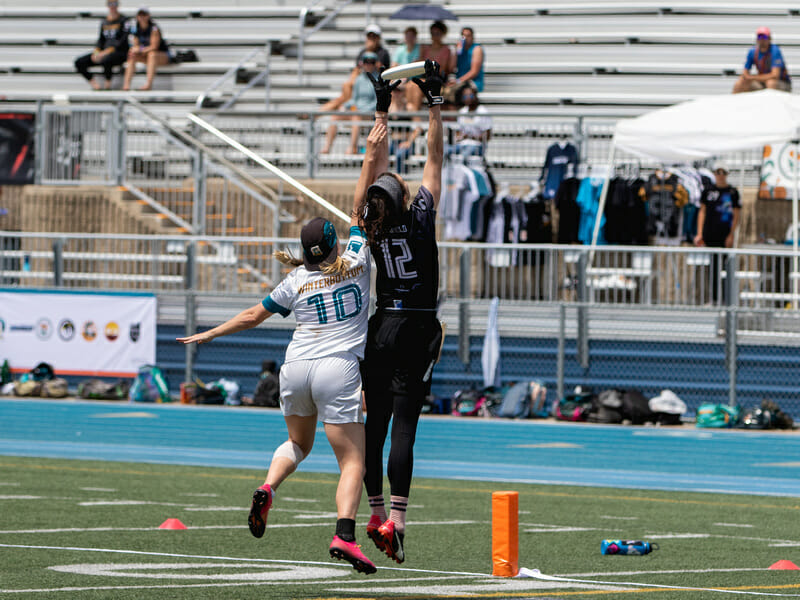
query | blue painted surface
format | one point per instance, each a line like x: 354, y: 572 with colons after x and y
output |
x: 742, y: 462
x: 696, y: 372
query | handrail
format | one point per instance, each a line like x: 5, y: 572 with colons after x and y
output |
x: 223, y: 78
x: 269, y: 192
x: 269, y: 166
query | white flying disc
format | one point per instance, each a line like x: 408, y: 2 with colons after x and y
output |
x: 403, y: 71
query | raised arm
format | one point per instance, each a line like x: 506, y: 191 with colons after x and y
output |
x: 247, y: 319
x: 431, y: 87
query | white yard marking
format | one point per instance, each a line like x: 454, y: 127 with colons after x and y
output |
x: 168, y: 571
x: 619, y: 518
x: 556, y: 445
x: 200, y: 495
x: 287, y: 499
x: 93, y: 489
x: 666, y: 572
x: 20, y: 497
x: 744, y: 525
x: 127, y: 503
x: 778, y: 464
x: 216, y: 509
x: 125, y: 415
x: 9, y: 483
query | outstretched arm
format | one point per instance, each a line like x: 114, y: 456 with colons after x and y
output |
x: 376, y: 161
x: 247, y: 319
x: 431, y: 87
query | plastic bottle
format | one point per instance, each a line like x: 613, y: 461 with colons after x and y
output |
x: 5, y: 373
x: 626, y: 547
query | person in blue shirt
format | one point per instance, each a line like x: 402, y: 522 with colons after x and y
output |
x: 469, y: 59
x: 770, y: 66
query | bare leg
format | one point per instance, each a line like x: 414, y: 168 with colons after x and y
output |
x: 347, y: 441
x: 355, y: 132
x: 130, y: 69
x: 154, y: 59
x: 301, y: 432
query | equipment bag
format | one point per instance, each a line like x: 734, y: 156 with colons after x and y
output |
x: 717, y: 415
x: 149, y: 385
x: 54, y: 388
x: 97, y: 389
x: 608, y: 407
x: 575, y: 407
x: 524, y: 400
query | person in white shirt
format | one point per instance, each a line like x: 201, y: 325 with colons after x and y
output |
x: 474, y: 125
x: 320, y: 377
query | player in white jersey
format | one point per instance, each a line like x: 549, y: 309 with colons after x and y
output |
x: 320, y: 377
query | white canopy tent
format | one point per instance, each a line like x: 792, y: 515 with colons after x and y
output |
x: 710, y: 126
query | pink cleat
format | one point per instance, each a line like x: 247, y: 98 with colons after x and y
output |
x: 392, y: 541
x: 372, y: 531
x: 257, y: 520
x: 351, y: 552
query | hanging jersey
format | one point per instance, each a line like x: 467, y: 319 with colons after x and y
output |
x: 560, y: 163
x: 407, y: 259
x: 331, y: 310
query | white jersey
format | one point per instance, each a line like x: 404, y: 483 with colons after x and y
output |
x: 331, y: 310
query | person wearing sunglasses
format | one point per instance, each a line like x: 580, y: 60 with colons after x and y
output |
x: 770, y: 66
x: 110, y: 50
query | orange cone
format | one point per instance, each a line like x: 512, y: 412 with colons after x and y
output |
x: 505, y: 532
x: 172, y: 524
x: 784, y: 565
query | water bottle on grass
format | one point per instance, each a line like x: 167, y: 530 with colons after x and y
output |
x: 634, y: 547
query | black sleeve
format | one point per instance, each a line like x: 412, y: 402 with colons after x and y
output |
x: 101, y: 40
x: 735, y: 201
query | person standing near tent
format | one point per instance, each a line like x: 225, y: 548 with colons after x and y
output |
x: 404, y: 334
x: 717, y: 221
x: 770, y: 66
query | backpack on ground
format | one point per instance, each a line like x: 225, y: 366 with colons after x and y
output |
x: 667, y: 408
x: 42, y: 372
x: 149, y: 385
x: 524, y: 400
x: 27, y: 388
x: 636, y: 408
x: 717, y: 415
x: 54, y: 388
x: 766, y: 416
x: 607, y: 408
x: 97, y: 389
x: 574, y: 407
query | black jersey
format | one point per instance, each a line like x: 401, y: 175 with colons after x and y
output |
x: 113, y: 33
x: 407, y: 258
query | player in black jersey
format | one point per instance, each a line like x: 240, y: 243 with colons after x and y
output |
x: 404, y: 334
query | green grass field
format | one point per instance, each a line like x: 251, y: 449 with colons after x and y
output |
x: 91, y: 530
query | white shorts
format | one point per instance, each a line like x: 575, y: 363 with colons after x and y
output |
x: 328, y: 386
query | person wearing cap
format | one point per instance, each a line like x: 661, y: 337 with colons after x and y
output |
x: 320, y: 377
x: 110, y: 50
x: 770, y: 66
x: 148, y: 46
x: 362, y: 100
x: 717, y: 221
x: 373, y: 44
x: 404, y: 334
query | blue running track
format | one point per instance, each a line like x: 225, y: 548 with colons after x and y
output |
x: 676, y: 459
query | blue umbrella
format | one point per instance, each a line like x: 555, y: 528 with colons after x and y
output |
x: 424, y: 12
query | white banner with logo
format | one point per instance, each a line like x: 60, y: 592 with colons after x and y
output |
x: 92, y: 334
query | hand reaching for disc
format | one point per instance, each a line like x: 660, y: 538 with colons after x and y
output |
x: 383, y: 91
x: 431, y: 86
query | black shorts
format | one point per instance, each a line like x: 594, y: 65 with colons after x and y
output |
x: 401, y: 347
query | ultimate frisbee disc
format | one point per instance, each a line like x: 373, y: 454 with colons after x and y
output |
x: 404, y: 71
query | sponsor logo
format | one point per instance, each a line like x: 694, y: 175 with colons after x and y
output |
x: 89, y: 331
x: 66, y: 330
x: 44, y: 328
x: 135, y: 331
x: 112, y: 331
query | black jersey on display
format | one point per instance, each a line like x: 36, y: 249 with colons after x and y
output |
x: 407, y: 258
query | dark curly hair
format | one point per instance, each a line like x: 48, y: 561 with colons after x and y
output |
x: 374, y: 214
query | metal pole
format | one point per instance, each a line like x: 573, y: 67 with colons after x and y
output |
x: 121, y: 129
x: 267, y: 74
x: 311, y: 141
x: 583, y: 321
x: 731, y: 325
x: 190, y: 308
x: 199, y: 195
x: 463, y: 307
x: 300, y: 40
x: 794, y: 229
x: 562, y: 336
x: 38, y: 151
x: 58, y: 262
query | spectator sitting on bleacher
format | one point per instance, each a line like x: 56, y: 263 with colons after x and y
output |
x: 111, y: 48
x: 148, y: 46
x: 468, y: 59
x: 362, y: 100
x: 407, y: 53
x: 474, y: 125
x: 768, y: 60
x: 373, y: 44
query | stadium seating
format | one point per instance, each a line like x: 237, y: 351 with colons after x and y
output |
x: 626, y: 55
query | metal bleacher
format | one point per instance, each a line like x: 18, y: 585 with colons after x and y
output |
x: 628, y: 55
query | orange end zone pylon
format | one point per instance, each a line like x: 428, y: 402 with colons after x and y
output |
x: 505, y: 534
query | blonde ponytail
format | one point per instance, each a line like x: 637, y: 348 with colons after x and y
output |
x: 282, y: 256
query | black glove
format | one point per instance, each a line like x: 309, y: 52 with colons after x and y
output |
x: 383, y: 90
x: 431, y: 86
